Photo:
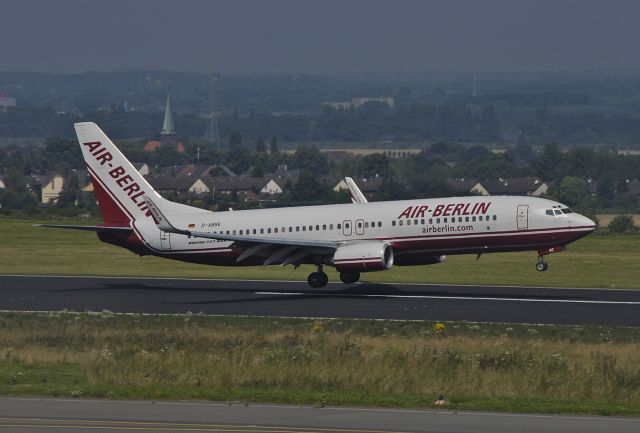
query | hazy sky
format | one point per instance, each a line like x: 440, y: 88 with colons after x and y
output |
x: 318, y: 36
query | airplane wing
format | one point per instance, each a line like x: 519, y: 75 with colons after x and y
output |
x: 286, y: 250
x: 87, y: 228
x: 356, y: 194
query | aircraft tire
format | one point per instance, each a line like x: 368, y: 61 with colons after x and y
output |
x: 541, y: 266
x: 317, y: 280
x: 349, y: 277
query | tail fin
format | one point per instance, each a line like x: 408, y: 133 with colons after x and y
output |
x: 119, y: 187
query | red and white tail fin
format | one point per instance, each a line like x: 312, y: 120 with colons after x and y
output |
x: 119, y: 187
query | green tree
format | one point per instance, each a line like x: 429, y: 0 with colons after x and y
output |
x: 309, y: 158
x: 573, y: 191
x: 373, y: 165
x: 309, y: 188
x: 549, y: 162
x: 622, y: 224
x: 70, y: 191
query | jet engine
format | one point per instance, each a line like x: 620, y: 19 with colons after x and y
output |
x: 363, y: 256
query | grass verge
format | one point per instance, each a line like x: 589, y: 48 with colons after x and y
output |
x: 596, y: 261
x: 520, y: 368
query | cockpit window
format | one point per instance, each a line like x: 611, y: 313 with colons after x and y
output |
x: 557, y: 212
x: 549, y: 212
x: 567, y: 210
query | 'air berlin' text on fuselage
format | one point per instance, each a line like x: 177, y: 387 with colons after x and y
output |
x: 450, y: 209
x: 119, y: 174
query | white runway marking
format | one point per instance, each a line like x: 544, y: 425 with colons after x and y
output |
x: 332, y: 283
x: 453, y: 298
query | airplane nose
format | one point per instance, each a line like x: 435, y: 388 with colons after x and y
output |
x: 585, y: 222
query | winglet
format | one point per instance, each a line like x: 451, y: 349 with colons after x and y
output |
x: 161, y: 221
x: 356, y: 194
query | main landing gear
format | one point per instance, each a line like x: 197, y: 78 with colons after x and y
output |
x: 349, y: 277
x: 318, y: 279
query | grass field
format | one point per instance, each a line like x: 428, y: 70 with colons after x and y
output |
x: 521, y: 368
x: 595, y: 261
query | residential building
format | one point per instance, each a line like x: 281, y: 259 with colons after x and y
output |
x: 511, y: 186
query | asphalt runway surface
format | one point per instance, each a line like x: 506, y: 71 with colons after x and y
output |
x: 83, y: 416
x: 296, y: 299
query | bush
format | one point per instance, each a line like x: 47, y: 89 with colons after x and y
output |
x: 622, y: 224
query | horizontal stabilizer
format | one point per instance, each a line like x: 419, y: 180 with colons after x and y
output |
x: 87, y: 228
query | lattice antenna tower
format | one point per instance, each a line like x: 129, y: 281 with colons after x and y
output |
x: 212, y: 134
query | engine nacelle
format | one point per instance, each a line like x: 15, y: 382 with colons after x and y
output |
x: 415, y: 260
x: 363, y: 256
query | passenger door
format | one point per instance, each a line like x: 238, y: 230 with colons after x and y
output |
x: 523, y: 217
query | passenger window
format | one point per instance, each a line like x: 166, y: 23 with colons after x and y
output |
x: 466, y: 219
x: 254, y: 231
x: 234, y: 232
x: 408, y: 222
x: 298, y: 228
x: 445, y: 220
x: 359, y: 225
x: 317, y: 227
x: 241, y: 231
x: 400, y: 222
x: 379, y: 223
x: 393, y: 223
x: 304, y: 228
x: 324, y: 226
x: 422, y: 221
x: 227, y: 231
x: 473, y: 218
x: 430, y: 220
x: 437, y: 220
x: 290, y: 229
x: 495, y: 217
x: 366, y: 225
x: 339, y: 226
x: 275, y: 230
x: 261, y: 231
x: 331, y: 227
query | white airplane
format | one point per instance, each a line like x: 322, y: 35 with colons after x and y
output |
x: 353, y: 238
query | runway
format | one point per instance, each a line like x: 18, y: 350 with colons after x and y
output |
x: 83, y: 416
x: 296, y: 299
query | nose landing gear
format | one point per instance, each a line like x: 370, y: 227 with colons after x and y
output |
x: 318, y: 279
x: 541, y: 265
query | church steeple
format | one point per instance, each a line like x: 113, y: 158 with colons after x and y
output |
x: 167, y: 125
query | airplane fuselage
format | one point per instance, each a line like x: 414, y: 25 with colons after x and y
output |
x: 416, y: 229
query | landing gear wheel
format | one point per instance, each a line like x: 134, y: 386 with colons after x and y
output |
x: 349, y: 277
x: 317, y: 280
x: 541, y: 266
